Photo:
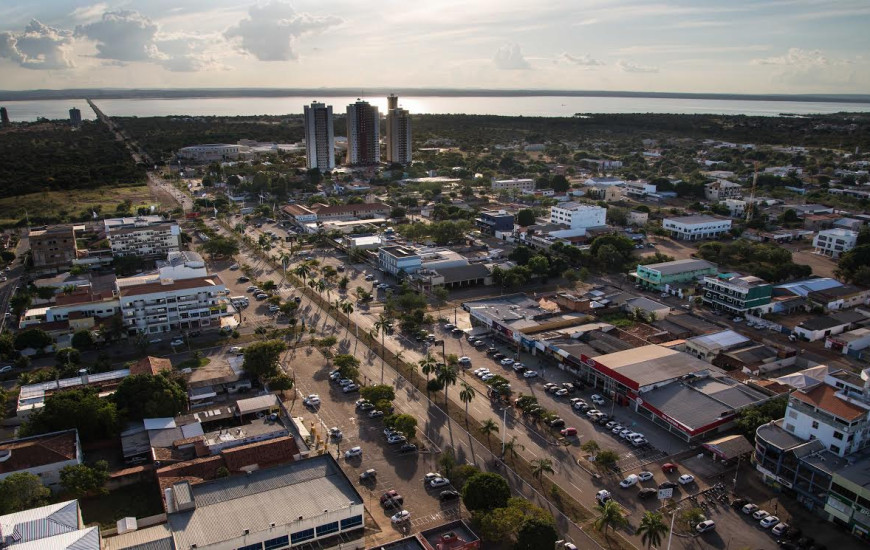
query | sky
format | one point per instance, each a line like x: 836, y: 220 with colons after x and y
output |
x: 734, y: 46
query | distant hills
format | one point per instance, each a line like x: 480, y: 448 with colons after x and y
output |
x: 170, y: 93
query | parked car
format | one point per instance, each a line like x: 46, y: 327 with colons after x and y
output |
x: 561, y: 392
x: 645, y: 475
x: 448, y: 495
x: 647, y: 492
x: 376, y: 413
x: 312, y: 400
x: 685, y: 479
x: 368, y: 474
x: 177, y: 342
x: 439, y: 482
x: 602, y: 496
x: 557, y: 423
x: 668, y: 485
x: 335, y: 433
x: 396, y: 438
x: 401, y: 517
x: 464, y: 361
x: 780, y: 529
x: 408, y: 448
x: 749, y: 508
x: 518, y: 367
x: 769, y: 521
x: 350, y: 388
x: 738, y: 503
x: 629, y: 481
x: 498, y: 356
x: 530, y: 374
x: 706, y: 525
x: 507, y: 361
x: 352, y: 452
x: 569, y: 432
x: 598, y: 400
x: 669, y: 467
x: 430, y: 476
x: 760, y: 514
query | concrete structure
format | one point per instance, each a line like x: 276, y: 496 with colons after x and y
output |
x: 667, y: 275
x: 31, y: 397
x: 75, y: 117
x: 350, y: 212
x: 398, y: 133
x: 721, y: 190
x: 53, y: 246
x: 823, y: 326
x: 319, y: 137
x: 835, y: 242
x: 578, y: 216
x: 363, y: 131
x: 605, y: 181
x: 146, y: 236
x: 635, y: 217
x: 838, y: 297
x: 41, y: 455
x: 53, y: 527
x: 848, y: 503
x: 695, y: 228
x: 299, y: 214
x: 639, y: 189
x: 520, y: 185
x: 399, y: 259
x: 646, y: 308
x: 495, y: 221
x: 708, y: 346
x: 279, y: 507
x: 736, y: 294
x: 209, y: 152
x: 849, y: 342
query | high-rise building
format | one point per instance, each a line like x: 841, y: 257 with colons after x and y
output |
x: 319, y: 137
x: 363, y: 134
x: 75, y: 117
x: 398, y: 132
x: 4, y: 116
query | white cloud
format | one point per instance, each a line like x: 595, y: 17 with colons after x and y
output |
x: 271, y: 29
x: 89, y: 13
x: 632, y: 67
x: 795, y: 57
x: 38, y: 47
x: 510, y: 57
x: 584, y: 60
x: 123, y: 35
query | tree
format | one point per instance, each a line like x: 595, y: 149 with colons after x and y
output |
x: 149, y: 396
x: 539, y: 265
x: 461, y: 473
x: 83, y: 480
x: 67, y: 357
x: 521, y: 255
x: 281, y: 382
x: 378, y: 392
x: 82, y: 340
x: 447, y: 376
x: 347, y: 365
x: 32, y: 338
x: 428, y: 366
x: 268, y: 285
x: 20, y: 303
x: 440, y: 294
x: 466, y: 395
x: 382, y: 325
x: 526, y: 217
x: 509, y: 448
x: 22, y: 491
x: 750, y: 418
x: 606, y: 459
x: 261, y: 358
x: 404, y: 423
x: 610, y: 515
x: 540, y: 467
x: 536, y: 534
x: 559, y: 183
x: 488, y: 427
x: 220, y: 247
x: 485, y: 491
x: 81, y: 408
x: 651, y: 529
x: 590, y: 446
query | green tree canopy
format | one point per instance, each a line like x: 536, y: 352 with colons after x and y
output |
x: 82, y: 340
x: 378, y: 392
x: 536, y: 534
x: 261, y: 358
x: 32, y: 338
x: 486, y: 491
x: 281, y: 382
x: 82, y: 480
x: 82, y: 408
x: 404, y: 423
x: 221, y: 247
x: 526, y: 217
x: 149, y: 396
x: 22, y: 491
x: 750, y: 418
x: 347, y: 364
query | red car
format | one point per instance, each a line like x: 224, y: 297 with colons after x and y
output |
x: 669, y: 467
x: 569, y: 432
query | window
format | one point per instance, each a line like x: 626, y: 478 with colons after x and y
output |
x: 280, y: 542
x: 327, y: 528
x: 258, y: 546
x: 307, y: 534
x: 792, y: 414
x: 815, y: 425
x: 789, y: 427
x: 351, y: 522
x: 835, y: 449
x: 838, y: 435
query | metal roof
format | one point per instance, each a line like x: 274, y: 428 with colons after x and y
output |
x: 680, y: 266
x: 257, y: 404
x: 157, y: 537
x: 719, y: 340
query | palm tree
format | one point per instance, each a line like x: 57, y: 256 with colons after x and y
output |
x: 488, y: 428
x: 427, y: 366
x: 399, y: 356
x: 447, y: 376
x: 540, y: 467
x: 466, y: 394
x: 651, y: 529
x: 381, y: 326
x: 347, y: 308
x: 509, y: 448
x: 302, y: 270
x: 610, y: 514
x: 285, y: 258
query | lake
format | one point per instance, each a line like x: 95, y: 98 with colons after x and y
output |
x: 546, y: 106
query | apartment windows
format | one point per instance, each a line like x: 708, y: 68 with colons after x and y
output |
x: 815, y: 425
x: 838, y: 435
x: 835, y: 449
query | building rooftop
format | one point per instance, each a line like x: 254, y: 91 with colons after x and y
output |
x: 257, y: 404
x: 156, y: 537
x: 151, y: 365
x: 399, y: 251
x: 825, y: 397
x: 51, y: 527
x: 130, y: 221
x: 515, y: 309
x: 463, y: 272
x: 324, y: 210
x: 652, y: 364
x: 38, y: 450
x: 736, y: 279
x: 803, y: 288
x: 773, y: 433
x: 574, y: 206
x: 449, y: 535
x: 681, y: 266
x: 169, y: 285
x: 725, y: 339
x: 645, y: 304
x: 834, y: 292
x: 692, y: 220
x: 278, y: 495
x: 857, y: 469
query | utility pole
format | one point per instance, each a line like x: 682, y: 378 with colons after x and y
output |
x: 671, y: 533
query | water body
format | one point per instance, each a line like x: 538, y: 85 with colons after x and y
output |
x: 544, y: 106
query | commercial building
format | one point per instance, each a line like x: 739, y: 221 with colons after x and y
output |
x: 363, y: 134
x: 273, y: 508
x: 495, y: 221
x: 850, y: 342
x: 75, y: 117
x: 209, y: 152
x: 848, y: 503
x: 144, y: 236
x: 835, y: 242
x: 605, y: 181
x: 53, y: 246
x: 837, y: 297
x: 666, y: 275
x: 736, y: 294
x: 639, y: 189
x: 578, y: 216
x: 520, y: 185
x: 721, y: 190
x: 299, y: 214
x: 42, y: 455
x: 319, y: 137
x: 349, y: 212
x: 823, y: 326
x: 708, y: 346
x: 398, y: 133
x: 399, y: 259
x: 53, y: 527
x: 181, y: 295
x: 695, y: 228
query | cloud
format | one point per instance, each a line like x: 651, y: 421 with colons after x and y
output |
x: 271, y: 29
x: 584, y: 60
x: 510, y: 57
x: 38, y: 47
x: 89, y: 13
x: 795, y: 57
x: 632, y: 67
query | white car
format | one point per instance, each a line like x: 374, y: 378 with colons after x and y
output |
x: 237, y: 350
x: 507, y: 361
x: 430, y: 476
x: 685, y: 479
x: 487, y: 376
x: 530, y: 374
x: 602, y: 496
x: 706, y: 525
x: 597, y: 399
x: 177, y: 342
x: 273, y: 308
x: 630, y: 481
x: 396, y: 438
x: 312, y: 400
x: 464, y: 360
x: 561, y: 393
x: 5, y: 368
x: 592, y: 412
x: 645, y: 475
x: 760, y: 514
x: 401, y: 517
x: 439, y: 482
x: 352, y: 452
x: 479, y: 371
x: 779, y: 529
x: 769, y: 522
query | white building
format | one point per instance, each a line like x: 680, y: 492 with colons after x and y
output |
x: 399, y: 259
x: 398, y: 133
x: 835, y: 242
x: 319, y: 137
x: 694, y: 228
x: 835, y: 412
x: 208, y: 152
x: 514, y: 185
x: 639, y: 188
x: 605, y: 181
x: 720, y: 190
x: 42, y: 455
x: 55, y: 527
x: 363, y: 134
x: 147, y: 236
x: 636, y: 217
x: 736, y: 207
x: 181, y: 295
x: 578, y: 216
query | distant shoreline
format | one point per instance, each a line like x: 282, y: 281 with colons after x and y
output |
x: 181, y: 93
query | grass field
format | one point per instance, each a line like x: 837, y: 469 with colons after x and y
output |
x: 60, y: 206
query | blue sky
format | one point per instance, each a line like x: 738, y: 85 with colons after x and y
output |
x: 735, y: 46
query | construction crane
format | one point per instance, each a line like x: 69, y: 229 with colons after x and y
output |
x: 751, y: 206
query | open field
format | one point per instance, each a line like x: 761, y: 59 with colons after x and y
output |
x: 59, y: 206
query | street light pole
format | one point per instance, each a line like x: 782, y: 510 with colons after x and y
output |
x: 671, y: 533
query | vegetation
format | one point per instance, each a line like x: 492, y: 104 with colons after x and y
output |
x: 82, y: 409
x: 404, y: 423
x: 610, y: 516
x: 485, y: 491
x: 32, y: 338
x: 606, y: 459
x: 770, y: 262
x: 22, y: 491
x: 750, y: 418
x: 651, y: 529
x: 82, y: 480
x: 150, y: 396
x: 854, y: 265
x: 536, y: 533
x: 347, y: 365
x: 506, y: 523
x: 261, y: 358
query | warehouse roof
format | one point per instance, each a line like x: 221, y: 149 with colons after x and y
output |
x: 680, y: 266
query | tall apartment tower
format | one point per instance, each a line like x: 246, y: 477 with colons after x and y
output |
x: 4, y: 117
x: 319, y: 137
x: 363, y: 134
x: 75, y: 117
x: 398, y: 132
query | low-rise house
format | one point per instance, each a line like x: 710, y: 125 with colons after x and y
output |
x: 42, y: 455
x: 647, y: 309
x: 348, y: 212
x: 849, y: 342
x: 818, y: 328
x: 52, y: 527
x: 708, y: 346
x: 839, y: 297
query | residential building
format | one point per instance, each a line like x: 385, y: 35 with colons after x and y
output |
x: 319, y: 137
x: 182, y: 295
x: 678, y: 273
x: 350, y: 212
x: 31, y: 397
x: 606, y: 181
x: 850, y: 342
x: 578, y: 216
x: 363, y: 131
x: 42, y: 455
x: 81, y: 309
x: 55, y: 526
x: 398, y: 133
x: 708, y: 346
x: 736, y: 207
x: 147, y: 236
x: 848, y: 503
x: 736, y: 294
x: 75, y: 117
x: 694, y: 228
x: 53, y: 246
x: 819, y: 328
x: 399, y: 259
x: 721, y: 190
x: 835, y: 242
x: 639, y: 189
x: 495, y: 221
x: 209, y: 152
x: 519, y: 185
